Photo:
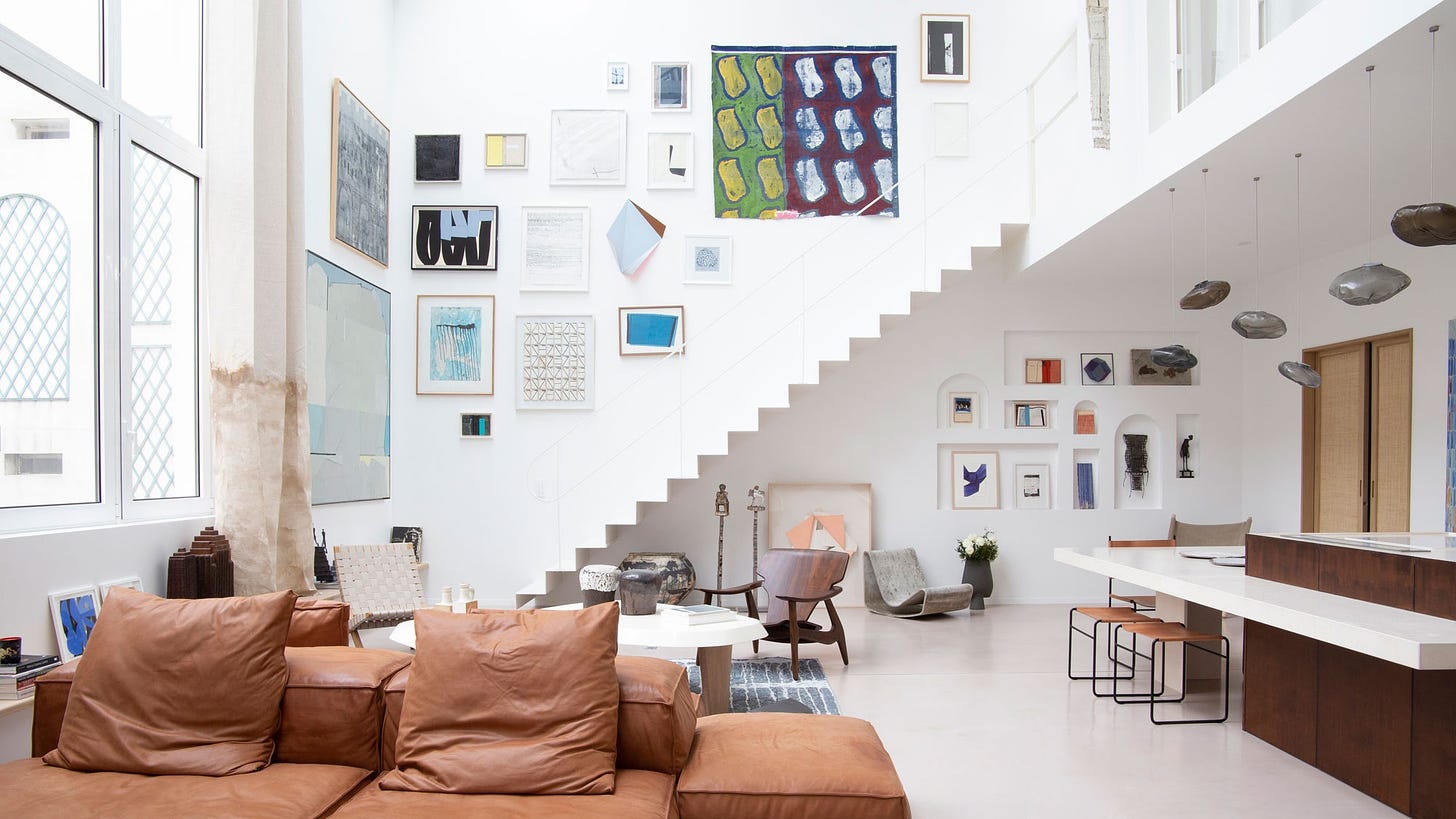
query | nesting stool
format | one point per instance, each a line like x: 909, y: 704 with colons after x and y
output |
x: 1108, y: 617
x: 1162, y: 633
x: 808, y: 766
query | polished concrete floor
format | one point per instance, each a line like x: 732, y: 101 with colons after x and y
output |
x: 981, y: 720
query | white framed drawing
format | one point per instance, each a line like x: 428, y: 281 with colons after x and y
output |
x: 133, y: 583
x: 952, y: 128
x: 589, y: 147
x: 707, y: 259
x: 555, y: 362
x: 618, y: 75
x: 670, y: 87
x: 555, y: 240
x: 1033, y: 486
x: 74, y: 615
x: 669, y: 161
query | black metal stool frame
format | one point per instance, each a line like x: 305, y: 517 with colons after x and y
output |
x: 1112, y: 649
x: 1153, y: 698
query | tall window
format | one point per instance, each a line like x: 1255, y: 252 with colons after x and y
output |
x: 1213, y: 37
x: 100, y: 325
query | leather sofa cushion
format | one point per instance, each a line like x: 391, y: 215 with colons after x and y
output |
x: 638, y: 795
x: 511, y: 702
x: 334, y: 704
x: 319, y: 623
x: 796, y: 766
x: 52, y: 691
x: 279, y: 791
x: 178, y: 686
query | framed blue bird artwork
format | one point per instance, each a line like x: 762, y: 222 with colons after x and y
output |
x: 975, y: 480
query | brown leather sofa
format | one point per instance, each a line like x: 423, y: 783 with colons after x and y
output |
x: 341, y: 712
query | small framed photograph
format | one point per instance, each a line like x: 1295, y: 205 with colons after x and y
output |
x: 475, y: 425
x: 1031, y: 414
x: 1033, y: 486
x: 505, y: 152
x: 133, y: 583
x: 74, y: 615
x: 618, y: 75
x: 454, y: 237
x: 1097, y: 370
x: 963, y: 409
x: 555, y: 242
x: 670, y: 87
x: 974, y: 480
x: 945, y: 48
x: 455, y: 345
x: 669, y: 161
x: 437, y: 157
x: 707, y: 260
x: 649, y: 330
x: 1043, y: 371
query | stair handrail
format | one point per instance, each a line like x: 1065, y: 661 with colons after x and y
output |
x: 676, y: 353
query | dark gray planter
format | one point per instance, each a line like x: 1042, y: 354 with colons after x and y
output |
x: 978, y: 574
x: 638, y: 590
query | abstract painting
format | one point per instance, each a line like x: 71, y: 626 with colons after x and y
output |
x: 74, y: 615
x: 455, y: 237
x: 670, y: 87
x: 437, y: 158
x: 1033, y: 486
x: 649, y: 330
x: 1086, y: 486
x: 475, y: 425
x: 670, y: 161
x: 359, y: 188
x: 801, y: 132
x: 634, y: 237
x: 824, y: 516
x: 1031, y: 414
x: 554, y: 248
x: 963, y: 408
x: 945, y: 48
x: 1097, y: 370
x: 589, y: 147
x: 975, y: 480
x: 455, y: 345
x: 618, y: 75
x: 1043, y: 371
x: 1084, y: 422
x: 505, y: 152
x: 1451, y: 426
x: 1146, y: 373
x: 348, y: 327
x: 556, y: 362
x: 707, y: 260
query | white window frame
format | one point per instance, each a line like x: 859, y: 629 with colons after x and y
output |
x: 119, y: 126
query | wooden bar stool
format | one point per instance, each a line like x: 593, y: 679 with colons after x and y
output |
x: 1106, y: 617
x: 1161, y: 633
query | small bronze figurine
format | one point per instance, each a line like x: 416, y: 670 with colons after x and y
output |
x: 1183, y: 455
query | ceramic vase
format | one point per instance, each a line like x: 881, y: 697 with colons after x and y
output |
x: 678, y: 576
x: 638, y: 590
x: 598, y: 584
x: 978, y: 574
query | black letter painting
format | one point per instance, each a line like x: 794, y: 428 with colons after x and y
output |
x: 454, y: 237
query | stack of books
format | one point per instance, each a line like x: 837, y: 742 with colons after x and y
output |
x: 696, y: 615
x: 17, y: 681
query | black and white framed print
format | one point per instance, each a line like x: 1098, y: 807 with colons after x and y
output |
x: 945, y: 48
x: 454, y: 237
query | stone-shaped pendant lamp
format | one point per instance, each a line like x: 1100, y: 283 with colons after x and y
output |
x: 1370, y: 283
x: 1259, y: 324
x: 1205, y: 294
x: 1428, y: 225
x: 1174, y: 357
x: 1301, y: 374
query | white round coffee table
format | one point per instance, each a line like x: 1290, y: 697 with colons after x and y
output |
x: 714, y: 642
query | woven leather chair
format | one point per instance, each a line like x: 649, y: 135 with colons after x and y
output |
x: 381, y: 584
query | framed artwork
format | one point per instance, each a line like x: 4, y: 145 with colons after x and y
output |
x: 1043, y: 371
x: 74, y: 615
x: 670, y: 87
x: 952, y: 128
x: 1031, y: 414
x: 1085, y: 422
x: 824, y: 516
x: 650, y: 330
x: 707, y: 260
x: 359, y: 177
x: 618, y: 75
x: 413, y: 535
x: 963, y: 409
x: 475, y: 425
x: 945, y: 48
x: 1033, y: 486
x: 669, y: 161
x: 554, y: 242
x: 1086, y: 485
x: 347, y: 321
x: 455, y: 345
x: 1147, y: 374
x: 437, y: 157
x: 134, y: 583
x: 1097, y: 370
x: 555, y: 362
x: 505, y: 152
x: 975, y: 480
x: 454, y: 237
x: 588, y: 147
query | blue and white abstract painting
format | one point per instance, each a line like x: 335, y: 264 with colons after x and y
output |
x: 455, y: 350
x: 455, y: 343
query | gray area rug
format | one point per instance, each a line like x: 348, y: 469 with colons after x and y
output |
x: 756, y: 683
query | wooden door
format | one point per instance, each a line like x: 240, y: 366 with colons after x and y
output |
x: 1390, y: 433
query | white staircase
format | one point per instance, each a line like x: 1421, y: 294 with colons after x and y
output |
x: 859, y: 276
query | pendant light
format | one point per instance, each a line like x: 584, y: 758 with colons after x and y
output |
x: 1176, y: 357
x: 1372, y: 282
x: 1207, y: 293
x: 1433, y: 223
x: 1298, y: 371
x: 1258, y: 324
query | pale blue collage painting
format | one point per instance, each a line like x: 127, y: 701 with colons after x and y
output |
x: 455, y: 343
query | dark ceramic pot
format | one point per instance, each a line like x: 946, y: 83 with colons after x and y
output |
x: 598, y: 584
x: 978, y: 574
x: 639, y: 589
x: 678, y: 577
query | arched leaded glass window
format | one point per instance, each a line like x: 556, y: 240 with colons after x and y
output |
x: 35, y: 300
